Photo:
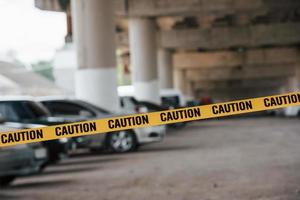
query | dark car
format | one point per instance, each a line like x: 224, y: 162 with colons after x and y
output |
x: 26, y: 113
x: 20, y: 160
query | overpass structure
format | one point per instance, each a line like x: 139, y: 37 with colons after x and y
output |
x: 224, y: 49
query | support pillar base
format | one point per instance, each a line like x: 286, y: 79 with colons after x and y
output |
x: 98, y: 86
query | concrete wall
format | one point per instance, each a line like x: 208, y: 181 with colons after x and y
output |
x: 229, y: 37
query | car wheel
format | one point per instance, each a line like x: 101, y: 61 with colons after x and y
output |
x: 6, y: 180
x: 122, y: 141
x: 43, y: 167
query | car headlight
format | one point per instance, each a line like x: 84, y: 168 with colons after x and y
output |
x: 63, y: 140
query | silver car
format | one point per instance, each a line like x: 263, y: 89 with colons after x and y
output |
x: 119, y: 141
x: 20, y: 160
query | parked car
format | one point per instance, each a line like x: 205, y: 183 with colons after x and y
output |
x: 292, y: 111
x: 20, y: 160
x: 130, y: 105
x: 169, y: 97
x: 119, y: 141
x: 173, y: 98
x: 23, y: 112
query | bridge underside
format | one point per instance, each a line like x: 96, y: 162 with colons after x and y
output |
x: 223, y: 49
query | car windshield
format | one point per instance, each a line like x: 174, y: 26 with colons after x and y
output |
x: 96, y: 108
x: 170, y: 101
x: 152, y: 106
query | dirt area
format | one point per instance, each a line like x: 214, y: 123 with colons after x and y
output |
x: 245, y: 159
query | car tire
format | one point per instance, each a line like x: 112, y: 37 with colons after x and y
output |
x: 6, y: 180
x: 43, y: 167
x: 122, y: 141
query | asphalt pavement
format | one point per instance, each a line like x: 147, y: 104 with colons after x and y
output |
x: 228, y: 159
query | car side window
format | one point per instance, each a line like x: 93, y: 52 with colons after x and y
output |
x: 7, y: 111
x: 63, y: 108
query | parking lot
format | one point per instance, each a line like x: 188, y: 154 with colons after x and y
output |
x: 247, y: 158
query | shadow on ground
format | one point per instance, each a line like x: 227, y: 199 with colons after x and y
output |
x: 89, y: 161
x: 38, y: 185
x: 8, y: 197
x: 165, y: 149
x: 86, y: 153
x: 54, y: 171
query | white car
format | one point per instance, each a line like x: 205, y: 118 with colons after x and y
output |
x: 120, y: 141
x: 169, y: 97
x: 292, y: 111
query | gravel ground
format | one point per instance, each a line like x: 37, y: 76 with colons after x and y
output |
x: 246, y: 159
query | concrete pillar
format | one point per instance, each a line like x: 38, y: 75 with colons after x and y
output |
x: 142, y: 37
x: 94, y: 34
x: 165, y: 68
x: 292, y: 84
x: 181, y: 82
x: 179, y: 79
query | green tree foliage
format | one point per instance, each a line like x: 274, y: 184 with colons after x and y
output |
x: 44, y: 68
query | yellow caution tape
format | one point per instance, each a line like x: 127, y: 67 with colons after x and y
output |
x: 148, y: 119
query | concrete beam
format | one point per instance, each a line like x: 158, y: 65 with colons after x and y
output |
x: 230, y: 59
x: 240, y: 74
x: 237, y: 84
x: 229, y: 95
x: 226, y: 37
x: 199, y: 7
x: 186, y: 7
x: 49, y: 5
x: 230, y: 37
x: 239, y: 90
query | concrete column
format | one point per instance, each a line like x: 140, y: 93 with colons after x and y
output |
x: 182, y: 83
x: 292, y: 84
x: 142, y: 37
x: 179, y: 80
x: 165, y: 68
x: 94, y: 34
